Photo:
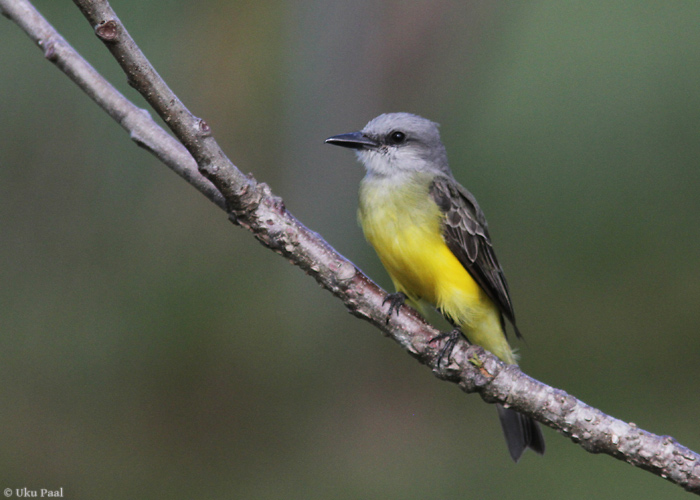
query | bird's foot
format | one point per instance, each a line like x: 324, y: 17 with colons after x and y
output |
x: 452, y: 337
x: 395, y: 300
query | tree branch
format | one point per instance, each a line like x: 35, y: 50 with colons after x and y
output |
x: 253, y: 206
x: 136, y: 121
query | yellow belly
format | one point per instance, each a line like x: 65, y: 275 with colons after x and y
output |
x: 403, y: 225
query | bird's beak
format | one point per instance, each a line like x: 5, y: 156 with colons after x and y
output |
x: 354, y: 140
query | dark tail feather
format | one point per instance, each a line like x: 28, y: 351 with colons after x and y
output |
x: 521, y: 432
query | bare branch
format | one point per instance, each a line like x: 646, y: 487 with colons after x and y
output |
x: 193, y: 132
x: 136, y: 121
x: 253, y: 206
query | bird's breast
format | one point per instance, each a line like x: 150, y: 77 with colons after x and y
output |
x: 404, y: 225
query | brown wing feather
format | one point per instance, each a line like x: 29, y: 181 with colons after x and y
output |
x: 467, y: 236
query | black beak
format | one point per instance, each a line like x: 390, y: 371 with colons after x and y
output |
x: 354, y: 140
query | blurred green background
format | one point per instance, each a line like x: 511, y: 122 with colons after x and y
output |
x: 150, y: 349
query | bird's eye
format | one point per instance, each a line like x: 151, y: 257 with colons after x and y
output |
x: 397, y: 137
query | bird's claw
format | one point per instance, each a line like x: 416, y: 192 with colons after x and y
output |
x: 452, y: 337
x: 396, y: 300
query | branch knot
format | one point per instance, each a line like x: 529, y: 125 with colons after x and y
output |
x: 107, y: 31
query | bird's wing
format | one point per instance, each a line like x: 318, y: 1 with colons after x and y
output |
x: 467, y: 236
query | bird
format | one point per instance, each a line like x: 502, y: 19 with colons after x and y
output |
x: 432, y: 237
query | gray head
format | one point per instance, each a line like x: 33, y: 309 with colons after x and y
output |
x: 397, y: 143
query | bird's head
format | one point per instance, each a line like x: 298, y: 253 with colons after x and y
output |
x: 397, y: 144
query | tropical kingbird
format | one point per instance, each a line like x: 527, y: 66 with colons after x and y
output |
x: 432, y: 238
